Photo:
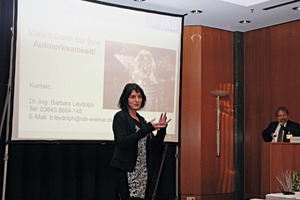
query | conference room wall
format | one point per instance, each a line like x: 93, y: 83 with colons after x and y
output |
x: 207, y: 65
x: 271, y: 56
x: 272, y: 72
x: 271, y: 79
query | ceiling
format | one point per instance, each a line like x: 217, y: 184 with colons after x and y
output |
x: 223, y: 14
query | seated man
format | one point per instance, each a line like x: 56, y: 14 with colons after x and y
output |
x: 283, y: 129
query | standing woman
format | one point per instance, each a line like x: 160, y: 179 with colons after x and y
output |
x: 136, y: 146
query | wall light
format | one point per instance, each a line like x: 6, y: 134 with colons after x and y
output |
x: 218, y: 94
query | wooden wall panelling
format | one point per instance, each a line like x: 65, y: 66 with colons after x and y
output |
x: 285, y: 67
x: 206, y: 66
x: 278, y: 158
x: 272, y: 74
x: 217, y: 74
x: 190, y: 146
x: 271, y: 79
x: 257, y: 104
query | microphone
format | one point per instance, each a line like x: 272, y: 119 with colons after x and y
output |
x: 282, y: 125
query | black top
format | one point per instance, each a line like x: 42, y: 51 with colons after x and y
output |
x: 126, y: 138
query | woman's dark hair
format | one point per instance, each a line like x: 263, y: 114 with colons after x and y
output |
x: 123, y: 101
x: 281, y: 108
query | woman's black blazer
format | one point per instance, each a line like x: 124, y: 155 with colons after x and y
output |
x: 126, y: 140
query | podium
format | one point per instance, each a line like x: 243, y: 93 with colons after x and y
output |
x: 277, y: 157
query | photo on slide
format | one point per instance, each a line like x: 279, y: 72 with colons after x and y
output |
x: 151, y: 68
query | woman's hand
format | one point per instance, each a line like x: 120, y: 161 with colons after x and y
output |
x: 162, y: 122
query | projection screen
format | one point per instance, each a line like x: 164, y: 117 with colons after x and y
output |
x: 73, y: 59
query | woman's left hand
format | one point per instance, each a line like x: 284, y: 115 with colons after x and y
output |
x: 162, y: 123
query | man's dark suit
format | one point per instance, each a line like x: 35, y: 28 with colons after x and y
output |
x: 291, y: 127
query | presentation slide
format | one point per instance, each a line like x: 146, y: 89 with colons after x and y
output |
x: 73, y: 59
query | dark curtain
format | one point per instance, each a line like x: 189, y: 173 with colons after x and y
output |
x: 60, y: 171
x: 73, y: 172
x: 6, y: 13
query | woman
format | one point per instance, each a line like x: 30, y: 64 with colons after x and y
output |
x: 136, y: 145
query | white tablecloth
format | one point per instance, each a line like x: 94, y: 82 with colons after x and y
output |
x: 280, y: 196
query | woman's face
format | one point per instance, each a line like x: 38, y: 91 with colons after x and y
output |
x: 135, y: 100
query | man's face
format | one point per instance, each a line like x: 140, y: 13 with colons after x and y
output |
x: 282, y: 117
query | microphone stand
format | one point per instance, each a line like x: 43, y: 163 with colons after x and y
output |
x: 159, y: 172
